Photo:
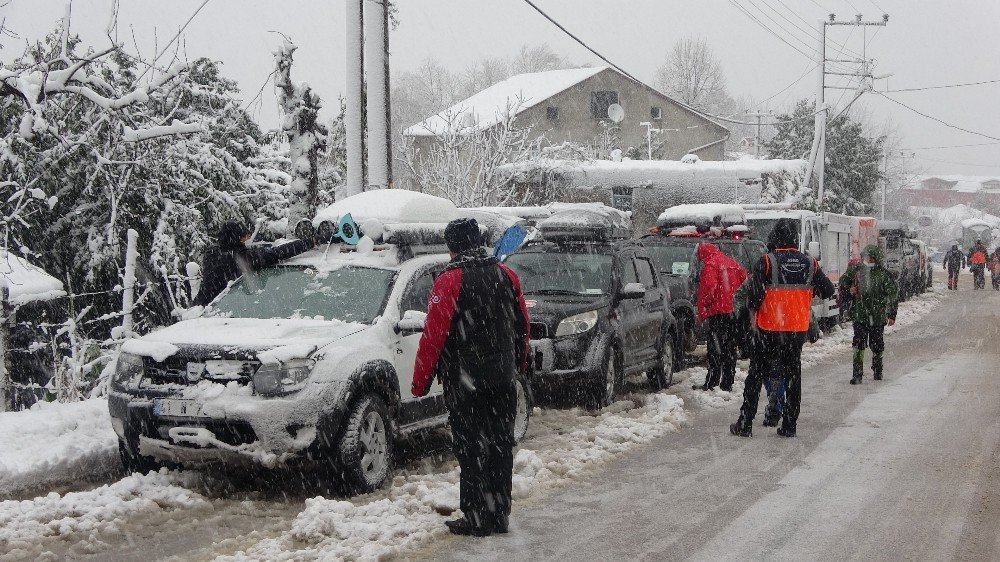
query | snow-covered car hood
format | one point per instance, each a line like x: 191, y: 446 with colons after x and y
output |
x: 252, y: 333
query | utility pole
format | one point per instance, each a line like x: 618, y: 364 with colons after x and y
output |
x: 817, y: 157
x: 376, y: 58
x: 756, y: 136
x: 354, y: 115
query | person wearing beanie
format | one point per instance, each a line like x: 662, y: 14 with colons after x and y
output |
x: 780, y: 292
x: 475, y: 341
x: 874, y: 294
x: 232, y: 258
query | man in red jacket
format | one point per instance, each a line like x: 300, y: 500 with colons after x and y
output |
x: 476, y: 340
x: 720, y: 277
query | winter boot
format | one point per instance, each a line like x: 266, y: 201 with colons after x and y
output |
x: 785, y: 431
x: 859, y: 366
x: 741, y: 428
x: 877, y: 366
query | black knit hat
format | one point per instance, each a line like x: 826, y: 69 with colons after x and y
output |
x: 784, y: 235
x: 462, y: 235
x: 231, y: 234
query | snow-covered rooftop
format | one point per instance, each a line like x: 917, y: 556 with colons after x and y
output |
x: 390, y: 206
x: 490, y: 106
x: 963, y: 184
x: 26, y: 281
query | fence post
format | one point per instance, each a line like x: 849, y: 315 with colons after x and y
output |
x: 128, y: 290
x: 6, y: 399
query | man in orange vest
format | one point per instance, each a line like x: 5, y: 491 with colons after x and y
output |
x: 977, y: 263
x: 780, y: 295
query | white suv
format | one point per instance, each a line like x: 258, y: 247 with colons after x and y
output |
x: 310, y: 359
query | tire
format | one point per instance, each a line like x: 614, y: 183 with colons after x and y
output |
x: 523, y: 415
x: 366, y: 446
x: 662, y: 375
x: 606, y: 383
x: 133, y: 462
x: 685, y: 325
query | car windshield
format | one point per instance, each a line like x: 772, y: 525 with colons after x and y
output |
x: 562, y: 273
x: 673, y: 260
x: 892, y: 243
x: 351, y: 294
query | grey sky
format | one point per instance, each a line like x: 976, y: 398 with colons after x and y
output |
x: 925, y: 44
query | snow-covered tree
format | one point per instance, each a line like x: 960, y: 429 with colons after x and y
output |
x: 853, y: 159
x: 306, y: 136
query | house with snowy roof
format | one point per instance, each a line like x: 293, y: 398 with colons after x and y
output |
x: 949, y: 190
x: 572, y: 105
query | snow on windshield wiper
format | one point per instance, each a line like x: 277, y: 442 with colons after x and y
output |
x: 553, y: 292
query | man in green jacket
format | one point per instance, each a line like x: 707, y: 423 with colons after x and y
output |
x: 874, y: 294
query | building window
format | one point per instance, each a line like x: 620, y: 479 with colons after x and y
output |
x: 655, y: 113
x: 551, y: 113
x: 601, y: 101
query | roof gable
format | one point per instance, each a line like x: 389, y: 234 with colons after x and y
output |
x: 513, y: 95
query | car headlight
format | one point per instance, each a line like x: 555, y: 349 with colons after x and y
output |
x: 274, y: 379
x: 577, y: 324
x: 129, y: 369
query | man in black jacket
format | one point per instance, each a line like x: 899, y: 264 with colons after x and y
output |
x: 954, y: 261
x: 780, y: 294
x: 476, y: 340
x: 231, y: 258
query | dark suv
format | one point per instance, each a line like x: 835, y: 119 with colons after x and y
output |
x: 598, y: 309
x: 673, y: 252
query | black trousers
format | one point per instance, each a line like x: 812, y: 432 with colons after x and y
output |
x: 780, y: 357
x: 482, y: 429
x: 869, y: 336
x: 721, y: 351
x: 953, y: 277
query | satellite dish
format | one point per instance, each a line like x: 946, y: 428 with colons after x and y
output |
x: 616, y: 113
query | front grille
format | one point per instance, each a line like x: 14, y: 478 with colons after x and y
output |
x: 185, y: 371
x: 539, y: 330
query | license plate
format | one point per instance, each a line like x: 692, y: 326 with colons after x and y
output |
x: 178, y: 408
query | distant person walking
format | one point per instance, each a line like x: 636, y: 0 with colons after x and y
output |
x: 476, y: 340
x: 782, y: 286
x: 875, y: 296
x: 720, y: 277
x: 977, y: 263
x: 995, y: 269
x: 954, y: 261
x: 232, y: 258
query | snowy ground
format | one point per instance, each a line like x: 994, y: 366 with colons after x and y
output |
x: 174, y: 508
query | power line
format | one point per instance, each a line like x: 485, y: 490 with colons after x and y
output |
x: 809, y: 29
x: 580, y: 41
x: 768, y: 29
x: 994, y: 166
x: 952, y: 146
x: 945, y: 123
x: 962, y: 85
x: 788, y: 87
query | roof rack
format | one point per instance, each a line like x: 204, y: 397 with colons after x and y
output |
x: 590, y: 223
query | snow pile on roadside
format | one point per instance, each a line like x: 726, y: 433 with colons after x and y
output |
x: 55, y: 443
x: 81, y: 518
x: 563, y: 445
x: 715, y: 398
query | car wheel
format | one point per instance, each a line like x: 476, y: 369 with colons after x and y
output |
x: 523, y: 413
x: 366, y: 445
x: 606, y: 383
x: 133, y: 462
x: 662, y: 375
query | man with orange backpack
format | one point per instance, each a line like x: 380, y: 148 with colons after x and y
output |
x: 780, y: 293
x: 977, y: 263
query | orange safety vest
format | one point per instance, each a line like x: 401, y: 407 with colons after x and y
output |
x: 787, y: 306
x: 978, y: 258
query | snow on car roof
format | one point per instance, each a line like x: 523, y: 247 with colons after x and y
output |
x: 390, y: 206
x: 698, y: 213
x: 334, y: 256
x: 26, y: 281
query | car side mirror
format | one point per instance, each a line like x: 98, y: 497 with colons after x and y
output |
x: 633, y: 291
x: 412, y: 322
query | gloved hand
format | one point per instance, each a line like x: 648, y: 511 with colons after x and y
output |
x: 891, y: 321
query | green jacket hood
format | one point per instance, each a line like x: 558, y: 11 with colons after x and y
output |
x: 875, y: 252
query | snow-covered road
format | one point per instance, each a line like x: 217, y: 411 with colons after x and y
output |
x: 191, y: 515
x: 898, y: 470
